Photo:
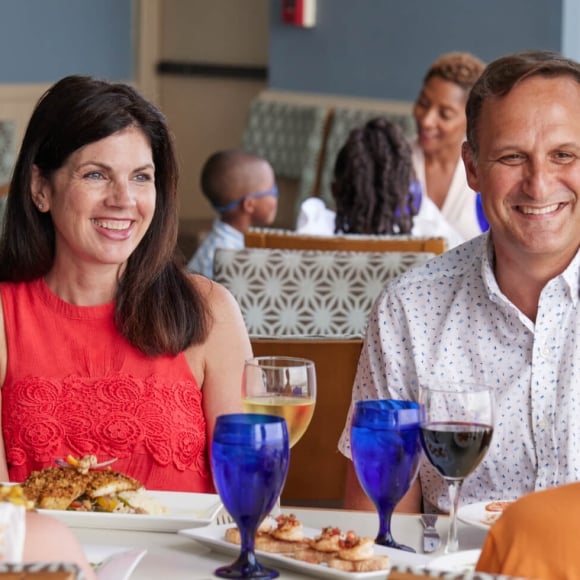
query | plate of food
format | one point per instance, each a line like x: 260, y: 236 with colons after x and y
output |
x: 182, y: 509
x: 95, y: 497
x: 317, y: 553
x: 482, y: 514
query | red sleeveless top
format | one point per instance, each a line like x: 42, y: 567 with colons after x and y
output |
x: 75, y: 386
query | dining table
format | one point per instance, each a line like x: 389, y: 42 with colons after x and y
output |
x: 172, y: 556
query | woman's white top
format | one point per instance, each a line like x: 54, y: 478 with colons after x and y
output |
x: 315, y: 218
x: 459, y: 207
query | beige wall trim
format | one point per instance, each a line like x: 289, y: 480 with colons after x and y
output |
x: 17, y: 103
x: 147, y: 46
x: 10, y: 93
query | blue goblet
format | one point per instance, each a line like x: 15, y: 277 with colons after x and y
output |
x: 386, y: 452
x: 250, y: 458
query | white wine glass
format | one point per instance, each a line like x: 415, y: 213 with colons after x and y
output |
x: 283, y: 386
x: 456, y: 431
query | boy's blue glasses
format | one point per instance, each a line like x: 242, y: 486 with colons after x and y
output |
x: 229, y: 206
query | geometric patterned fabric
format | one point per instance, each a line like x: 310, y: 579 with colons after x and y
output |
x: 290, y: 136
x: 7, y: 153
x: 293, y: 136
x: 308, y: 292
x: 7, y: 150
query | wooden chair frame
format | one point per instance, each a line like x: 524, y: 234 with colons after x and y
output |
x: 286, y: 239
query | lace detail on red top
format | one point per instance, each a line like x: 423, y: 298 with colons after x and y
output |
x: 125, y: 415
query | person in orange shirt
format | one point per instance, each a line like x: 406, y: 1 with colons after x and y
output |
x: 536, y: 537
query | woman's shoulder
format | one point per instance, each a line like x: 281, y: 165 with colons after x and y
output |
x: 217, y: 296
x: 228, y: 333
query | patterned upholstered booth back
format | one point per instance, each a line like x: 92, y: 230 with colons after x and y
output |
x: 7, y: 149
x: 308, y: 292
x: 290, y: 137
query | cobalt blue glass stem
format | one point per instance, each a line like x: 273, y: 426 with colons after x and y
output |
x: 246, y: 566
x: 250, y: 458
x: 385, y: 537
x: 386, y: 452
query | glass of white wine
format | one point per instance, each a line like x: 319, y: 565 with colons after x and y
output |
x: 283, y: 386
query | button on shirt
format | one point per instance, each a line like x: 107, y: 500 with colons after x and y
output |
x: 447, y: 320
x: 222, y: 235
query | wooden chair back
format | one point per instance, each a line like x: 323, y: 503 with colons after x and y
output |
x: 287, y: 239
x: 317, y: 469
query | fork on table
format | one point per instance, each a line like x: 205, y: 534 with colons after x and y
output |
x: 223, y: 517
x: 431, y: 538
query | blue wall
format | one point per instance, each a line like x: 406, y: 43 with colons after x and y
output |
x: 44, y: 40
x: 381, y: 48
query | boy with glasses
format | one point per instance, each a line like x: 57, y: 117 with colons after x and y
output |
x: 242, y: 189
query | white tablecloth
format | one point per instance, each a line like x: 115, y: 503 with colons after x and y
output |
x: 173, y: 557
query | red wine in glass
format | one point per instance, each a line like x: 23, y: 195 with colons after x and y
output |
x: 456, y: 432
x: 454, y: 448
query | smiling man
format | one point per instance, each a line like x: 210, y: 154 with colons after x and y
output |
x: 501, y: 309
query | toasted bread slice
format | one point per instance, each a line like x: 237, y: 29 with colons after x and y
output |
x: 313, y: 556
x: 268, y: 544
x: 373, y: 564
x: 265, y: 542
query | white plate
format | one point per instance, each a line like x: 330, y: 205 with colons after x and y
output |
x: 183, y: 510
x: 476, y: 515
x: 113, y: 562
x: 463, y: 561
x: 213, y: 537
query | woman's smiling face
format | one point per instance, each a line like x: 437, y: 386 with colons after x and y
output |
x: 102, y: 199
x: 439, y: 113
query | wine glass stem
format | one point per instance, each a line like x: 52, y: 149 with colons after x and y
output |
x: 277, y: 509
x: 247, y: 562
x: 454, y: 486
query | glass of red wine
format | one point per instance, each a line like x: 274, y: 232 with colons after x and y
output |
x: 250, y: 458
x: 456, y: 431
x: 386, y: 453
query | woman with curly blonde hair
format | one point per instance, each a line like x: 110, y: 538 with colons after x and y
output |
x: 439, y: 113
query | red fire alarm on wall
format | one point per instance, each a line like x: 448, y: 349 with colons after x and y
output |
x: 299, y: 12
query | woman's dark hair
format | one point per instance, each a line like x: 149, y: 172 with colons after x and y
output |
x: 372, y: 176
x: 157, y: 308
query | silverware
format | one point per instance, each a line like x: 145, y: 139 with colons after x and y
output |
x: 431, y: 537
x: 223, y: 517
